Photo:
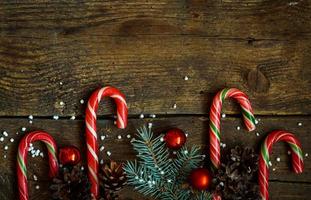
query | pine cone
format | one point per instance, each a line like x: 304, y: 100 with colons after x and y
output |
x: 237, y: 176
x: 112, y: 179
x: 71, y: 184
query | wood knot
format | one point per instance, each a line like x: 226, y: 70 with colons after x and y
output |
x: 257, y: 81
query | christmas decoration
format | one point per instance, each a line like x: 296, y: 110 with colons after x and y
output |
x: 158, y: 175
x: 71, y: 184
x: 175, y: 138
x: 200, y: 179
x: 214, y: 130
x: 271, y: 139
x: 91, y: 135
x: 69, y: 155
x: 22, y: 159
x: 112, y: 179
x: 236, y: 177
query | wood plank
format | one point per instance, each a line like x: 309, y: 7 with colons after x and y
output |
x: 37, y: 74
x: 70, y: 132
x: 229, y: 19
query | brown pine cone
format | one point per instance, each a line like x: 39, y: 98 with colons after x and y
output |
x: 112, y: 179
x: 71, y: 184
x: 237, y: 176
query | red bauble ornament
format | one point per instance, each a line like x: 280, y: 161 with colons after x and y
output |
x: 200, y: 179
x: 175, y: 138
x: 69, y: 155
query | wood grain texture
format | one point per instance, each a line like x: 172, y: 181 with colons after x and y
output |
x: 69, y: 132
x: 52, y: 52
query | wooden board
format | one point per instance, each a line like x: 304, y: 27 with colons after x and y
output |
x: 69, y: 132
x: 147, y: 48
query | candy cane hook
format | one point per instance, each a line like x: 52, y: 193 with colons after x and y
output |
x: 22, y: 159
x: 264, y: 157
x: 214, y: 130
x: 91, y: 135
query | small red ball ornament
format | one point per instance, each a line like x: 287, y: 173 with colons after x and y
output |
x: 200, y: 179
x: 175, y: 138
x: 69, y: 155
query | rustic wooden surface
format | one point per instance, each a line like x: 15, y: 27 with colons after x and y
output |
x: 58, y: 51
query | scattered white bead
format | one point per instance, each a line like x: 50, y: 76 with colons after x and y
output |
x: 42, y: 154
x: 257, y: 134
x: 174, y: 152
x: 186, y: 152
x: 31, y: 144
x: 101, y: 161
x: 81, y: 101
x: 108, y: 153
x: 306, y: 155
x: 5, y: 133
x: 17, y: 133
x: 37, y: 187
x: 23, y: 128
x: 186, y: 78
x: 30, y: 117
x: 30, y: 122
x: 61, y: 83
x: 55, y: 117
x: 162, y: 172
x: 256, y: 121
x: 161, y: 139
x: 149, y: 125
x: 4, y: 156
x: 61, y: 103
x: 73, y: 117
x: 82, y: 168
x: 238, y: 128
x: 273, y: 169
x: 174, y: 106
x: 289, y: 152
x: 12, y: 140
x: 224, y: 145
x: 6, y: 147
x: 1, y: 139
x: 278, y: 159
x: 186, y: 134
x: 221, y: 184
x: 169, y: 180
x: 153, y: 116
x: 299, y: 124
x: 141, y: 116
x: 128, y: 136
x: 35, y: 177
x: 203, y: 156
x: 101, y: 148
x: 102, y: 137
x: 223, y: 115
x: 114, y: 122
x: 119, y: 137
x: 270, y: 163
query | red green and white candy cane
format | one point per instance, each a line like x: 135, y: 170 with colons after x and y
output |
x: 215, y: 116
x: 22, y: 159
x: 91, y: 135
x: 264, y: 158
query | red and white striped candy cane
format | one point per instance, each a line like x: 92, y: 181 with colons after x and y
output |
x: 264, y: 157
x: 214, y: 130
x: 22, y: 159
x: 91, y: 135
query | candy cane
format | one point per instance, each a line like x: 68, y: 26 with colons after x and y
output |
x: 214, y: 130
x: 91, y: 135
x: 22, y: 159
x: 296, y: 152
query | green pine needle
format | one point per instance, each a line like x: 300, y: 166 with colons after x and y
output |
x: 156, y: 174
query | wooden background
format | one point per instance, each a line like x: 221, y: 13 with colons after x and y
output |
x: 60, y: 51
